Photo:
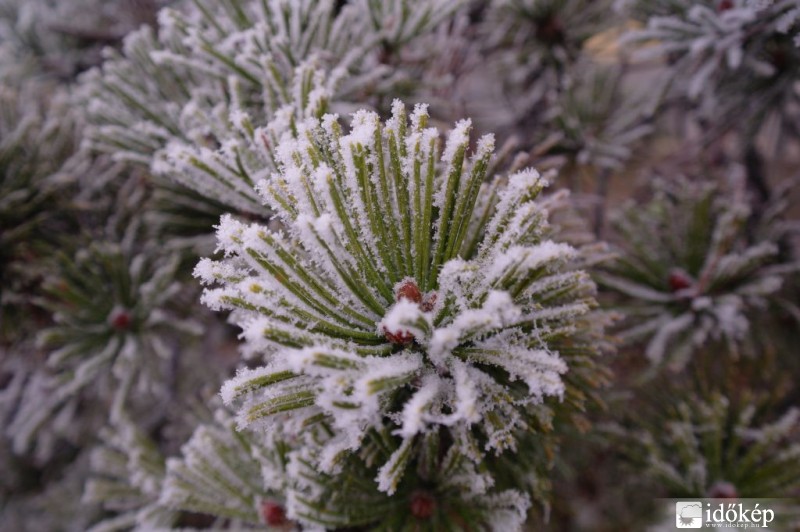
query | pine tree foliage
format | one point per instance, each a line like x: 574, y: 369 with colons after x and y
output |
x: 426, y: 55
x: 111, y: 305
x: 127, y: 473
x: 230, y: 172
x: 65, y: 38
x: 400, y: 22
x: 181, y: 219
x: 420, y: 342
x: 593, y: 127
x: 36, y: 139
x: 179, y: 88
x: 566, y: 81
x: 55, y: 507
x: 690, y: 274
x: 231, y: 475
x: 170, y: 101
x: 13, y: 372
x: 718, y: 447
x: 738, y: 59
x: 439, y: 489
x: 539, y: 41
x: 396, y: 299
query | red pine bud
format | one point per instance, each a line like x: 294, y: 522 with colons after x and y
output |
x: 724, y: 5
x: 422, y: 505
x: 273, y: 513
x: 120, y: 320
x: 679, y: 280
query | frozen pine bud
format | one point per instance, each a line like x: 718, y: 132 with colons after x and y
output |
x: 399, y: 337
x: 408, y: 289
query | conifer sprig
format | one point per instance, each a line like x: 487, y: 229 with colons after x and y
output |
x: 228, y: 474
x: 394, y: 299
x: 127, y: 475
x: 717, y: 448
x: 691, y: 272
x: 172, y: 98
x: 738, y: 61
x: 111, y: 308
